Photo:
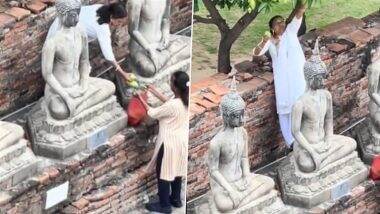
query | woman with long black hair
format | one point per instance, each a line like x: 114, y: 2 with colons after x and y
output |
x: 170, y: 154
x: 96, y: 20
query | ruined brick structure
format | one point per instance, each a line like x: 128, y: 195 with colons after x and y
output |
x: 109, y: 179
x: 23, y: 29
x: 345, y: 50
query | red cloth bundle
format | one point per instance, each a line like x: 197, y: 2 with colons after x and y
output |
x: 375, y: 168
x: 136, y: 110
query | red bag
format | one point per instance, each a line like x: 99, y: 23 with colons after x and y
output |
x: 375, y: 168
x: 136, y: 110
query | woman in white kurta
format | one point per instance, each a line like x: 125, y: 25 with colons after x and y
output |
x: 95, y: 20
x: 287, y: 61
x: 170, y: 153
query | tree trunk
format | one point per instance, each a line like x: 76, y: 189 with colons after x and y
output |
x: 224, y: 56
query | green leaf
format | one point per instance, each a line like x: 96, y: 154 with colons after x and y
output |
x: 251, y: 5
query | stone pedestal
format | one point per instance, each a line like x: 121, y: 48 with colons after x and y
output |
x: 366, y: 142
x: 269, y: 203
x: 17, y: 163
x: 161, y: 81
x: 88, y: 130
x: 330, y: 183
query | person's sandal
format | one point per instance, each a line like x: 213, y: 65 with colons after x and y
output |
x: 176, y: 203
x: 156, y: 207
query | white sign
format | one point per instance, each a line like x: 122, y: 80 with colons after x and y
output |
x: 97, y: 139
x: 56, y: 195
x: 340, y: 190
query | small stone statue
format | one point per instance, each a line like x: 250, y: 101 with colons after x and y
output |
x: 233, y: 186
x: 10, y: 134
x: 312, y: 123
x: 66, y: 67
x: 152, y: 47
x: 323, y: 166
x: 77, y: 111
x: 17, y: 161
x: 374, y: 106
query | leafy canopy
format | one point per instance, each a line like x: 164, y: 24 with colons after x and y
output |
x: 249, y: 5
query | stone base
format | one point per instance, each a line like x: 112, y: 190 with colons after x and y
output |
x: 88, y: 130
x: 161, y: 81
x: 363, y: 137
x: 330, y: 183
x: 269, y: 203
x: 16, y: 164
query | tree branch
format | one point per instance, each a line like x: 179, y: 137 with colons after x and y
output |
x: 204, y: 20
x: 215, y: 15
x: 243, y: 23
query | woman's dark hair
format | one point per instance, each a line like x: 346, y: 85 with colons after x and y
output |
x: 180, y: 81
x: 114, y: 10
x: 271, y: 22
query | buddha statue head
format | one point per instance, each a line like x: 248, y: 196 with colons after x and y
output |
x: 232, y: 107
x: 315, y: 69
x: 68, y: 12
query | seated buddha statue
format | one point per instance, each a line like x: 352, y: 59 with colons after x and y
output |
x: 232, y: 183
x: 316, y: 146
x: 66, y: 68
x: 10, y: 134
x: 374, y: 105
x: 152, y: 47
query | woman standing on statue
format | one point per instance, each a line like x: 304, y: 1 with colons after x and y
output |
x: 96, y: 20
x: 287, y: 61
x: 170, y: 154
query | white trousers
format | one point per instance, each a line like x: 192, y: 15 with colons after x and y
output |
x: 286, y: 128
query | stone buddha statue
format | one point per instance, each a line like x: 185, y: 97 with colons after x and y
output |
x: 152, y: 48
x: 17, y: 161
x: 77, y: 112
x: 232, y: 184
x: 323, y: 166
x: 10, y: 134
x: 66, y: 67
x: 316, y: 145
x: 374, y: 106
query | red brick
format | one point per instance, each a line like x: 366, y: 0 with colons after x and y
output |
x: 44, y: 178
x: 374, y: 31
x: 207, y: 104
x: 336, y: 47
x: 48, y: 2
x: 81, y: 203
x: 360, y: 37
x: 18, y: 13
x: 53, y: 173
x: 6, y: 20
x: 36, y: 6
x: 268, y: 76
x: 197, y: 109
x: 212, y: 97
x: 219, y: 89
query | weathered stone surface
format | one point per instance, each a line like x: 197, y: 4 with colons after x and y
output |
x: 311, y: 189
x: 17, y: 161
x: 63, y: 139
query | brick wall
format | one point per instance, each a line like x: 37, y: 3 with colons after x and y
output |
x: 344, y: 48
x: 108, y: 180
x: 23, y: 28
